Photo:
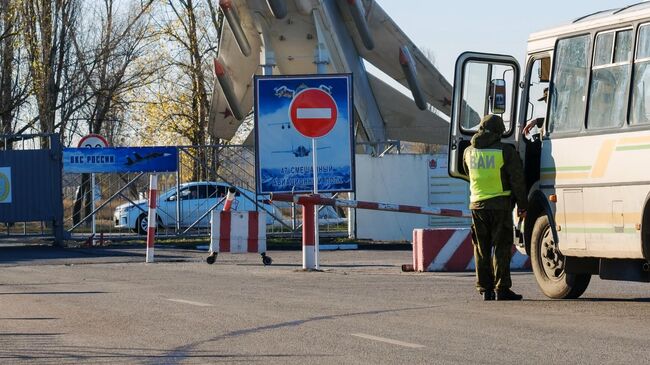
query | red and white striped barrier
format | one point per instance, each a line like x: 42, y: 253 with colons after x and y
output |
x: 237, y: 232
x: 358, y: 204
x: 450, y: 249
x: 308, y: 202
x: 151, y: 219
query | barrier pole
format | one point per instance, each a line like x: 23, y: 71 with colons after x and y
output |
x: 214, y: 243
x: 151, y: 226
x: 229, y: 198
x: 359, y: 204
x: 308, y: 235
x: 314, y: 153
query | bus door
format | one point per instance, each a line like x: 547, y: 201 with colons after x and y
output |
x: 483, y: 84
x: 533, y: 106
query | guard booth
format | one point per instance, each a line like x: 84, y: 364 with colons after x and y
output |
x: 30, y: 186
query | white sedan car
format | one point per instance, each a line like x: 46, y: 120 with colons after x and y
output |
x: 196, y: 198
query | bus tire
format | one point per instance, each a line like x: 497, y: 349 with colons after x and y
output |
x: 548, y: 265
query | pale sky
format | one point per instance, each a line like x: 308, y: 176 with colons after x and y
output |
x: 448, y: 28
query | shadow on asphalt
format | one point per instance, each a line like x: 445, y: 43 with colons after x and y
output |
x: 591, y: 300
x: 183, y: 352
x: 607, y: 300
x: 26, y: 254
x: 54, y: 293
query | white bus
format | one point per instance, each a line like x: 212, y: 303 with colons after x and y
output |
x: 587, y: 166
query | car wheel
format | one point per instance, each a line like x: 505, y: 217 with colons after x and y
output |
x: 142, y: 224
x: 549, y: 265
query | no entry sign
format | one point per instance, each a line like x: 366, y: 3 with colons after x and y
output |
x: 313, y: 112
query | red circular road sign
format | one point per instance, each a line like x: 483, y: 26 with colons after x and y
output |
x: 313, y: 112
x: 93, y: 141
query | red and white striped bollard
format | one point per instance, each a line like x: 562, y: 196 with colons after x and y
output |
x: 151, y: 221
x: 229, y: 198
x: 309, y: 259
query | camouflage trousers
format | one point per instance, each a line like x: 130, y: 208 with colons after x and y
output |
x: 492, y: 229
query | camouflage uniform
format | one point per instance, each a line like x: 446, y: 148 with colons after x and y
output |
x: 496, y: 182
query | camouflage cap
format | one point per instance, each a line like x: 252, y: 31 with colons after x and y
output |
x: 492, y: 123
x: 544, y: 96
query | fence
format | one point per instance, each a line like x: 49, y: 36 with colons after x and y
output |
x: 233, y: 165
x: 30, y: 186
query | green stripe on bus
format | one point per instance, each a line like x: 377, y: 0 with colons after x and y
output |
x: 566, y: 168
x: 597, y: 230
x: 633, y: 148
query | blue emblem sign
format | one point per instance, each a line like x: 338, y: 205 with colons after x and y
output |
x: 284, y: 155
x: 120, y: 159
x: 5, y: 184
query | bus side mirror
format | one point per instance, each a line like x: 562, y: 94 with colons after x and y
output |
x: 498, y: 96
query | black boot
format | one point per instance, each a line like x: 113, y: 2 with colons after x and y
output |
x: 488, y: 294
x: 507, y: 294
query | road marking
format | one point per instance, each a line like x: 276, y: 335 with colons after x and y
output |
x: 198, y: 304
x: 314, y: 113
x: 387, y: 340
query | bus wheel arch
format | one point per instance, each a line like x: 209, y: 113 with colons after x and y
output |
x: 538, y: 206
x: 645, y: 229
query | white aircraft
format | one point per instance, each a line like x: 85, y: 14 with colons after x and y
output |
x: 289, y: 37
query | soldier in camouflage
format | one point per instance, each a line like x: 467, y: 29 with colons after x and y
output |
x: 497, y: 181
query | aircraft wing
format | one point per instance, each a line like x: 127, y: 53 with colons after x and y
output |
x: 402, y: 118
x: 388, y: 38
x: 240, y: 70
x: 293, y: 40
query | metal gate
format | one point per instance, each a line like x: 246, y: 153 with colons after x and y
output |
x: 233, y: 165
x: 30, y: 187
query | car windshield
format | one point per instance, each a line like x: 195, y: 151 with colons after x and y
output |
x: 169, y: 193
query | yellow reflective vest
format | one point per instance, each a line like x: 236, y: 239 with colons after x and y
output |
x: 484, y: 167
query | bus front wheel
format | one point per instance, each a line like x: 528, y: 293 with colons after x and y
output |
x: 549, y: 265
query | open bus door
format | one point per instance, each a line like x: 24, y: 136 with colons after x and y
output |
x: 483, y: 84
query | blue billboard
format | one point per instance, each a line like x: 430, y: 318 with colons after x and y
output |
x: 120, y: 159
x: 283, y: 154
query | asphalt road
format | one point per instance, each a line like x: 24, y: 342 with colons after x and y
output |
x: 105, y: 306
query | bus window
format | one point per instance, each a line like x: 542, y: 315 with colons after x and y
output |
x: 475, y: 106
x: 538, y: 89
x: 604, y: 48
x: 569, y: 89
x: 640, y: 113
x: 610, y: 79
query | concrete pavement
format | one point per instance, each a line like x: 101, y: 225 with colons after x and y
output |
x: 89, y: 306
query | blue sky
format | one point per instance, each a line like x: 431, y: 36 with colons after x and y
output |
x: 500, y: 26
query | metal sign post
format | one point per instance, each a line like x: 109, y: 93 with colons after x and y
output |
x: 93, y: 141
x: 316, y: 223
x: 92, y: 205
x: 313, y: 113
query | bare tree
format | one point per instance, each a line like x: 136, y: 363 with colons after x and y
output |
x: 108, y: 49
x: 13, y: 85
x: 46, y: 34
x: 187, y: 37
x: 175, y: 108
